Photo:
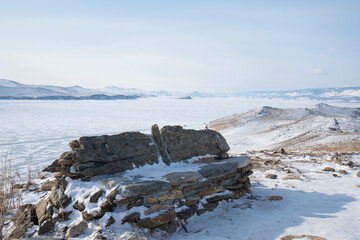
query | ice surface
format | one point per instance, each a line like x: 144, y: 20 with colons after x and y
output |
x: 35, y: 133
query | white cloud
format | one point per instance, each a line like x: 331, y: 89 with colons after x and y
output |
x: 317, y: 71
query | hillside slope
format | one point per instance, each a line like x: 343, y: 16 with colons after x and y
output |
x: 319, y: 127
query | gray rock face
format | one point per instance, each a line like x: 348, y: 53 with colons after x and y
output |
x: 116, y: 153
x: 107, y: 154
x: 182, y: 144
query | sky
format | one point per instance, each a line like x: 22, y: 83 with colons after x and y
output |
x: 211, y: 46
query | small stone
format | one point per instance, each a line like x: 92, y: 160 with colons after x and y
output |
x: 329, y: 169
x: 135, y: 203
x: 110, y: 221
x: 74, y: 144
x: 112, y: 195
x: 46, y: 186
x: 46, y: 227
x: 78, y: 206
x: 132, y: 217
x: 66, y: 162
x: 270, y: 176
x: 350, y: 163
x: 53, y: 167
x: 358, y: 174
x: 43, y: 211
x: 275, y: 198
x: 95, y: 197
x: 341, y: 171
x: 94, y: 215
x: 63, y: 216
x: 76, y: 230
x: 335, y: 175
x: 61, y: 231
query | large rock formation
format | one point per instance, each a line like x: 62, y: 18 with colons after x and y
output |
x: 91, y: 156
x: 164, y: 202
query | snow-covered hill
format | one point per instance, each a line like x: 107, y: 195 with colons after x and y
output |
x: 14, y: 90
x: 347, y: 94
x: 275, y: 128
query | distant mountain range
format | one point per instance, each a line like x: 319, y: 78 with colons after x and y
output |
x: 14, y: 90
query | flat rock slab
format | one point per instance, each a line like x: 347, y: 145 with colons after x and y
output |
x: 145, y: 188
x: 182, y: 144
x: 219, y: 170
x: 179, y: 178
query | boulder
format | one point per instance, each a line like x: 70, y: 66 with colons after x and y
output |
x: 116, y: 153
x: 182, y: 144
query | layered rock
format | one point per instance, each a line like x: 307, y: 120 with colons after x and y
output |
x: 107, y: 154
x: 163, y: 203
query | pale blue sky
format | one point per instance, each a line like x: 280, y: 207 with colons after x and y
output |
x: 214, y: 46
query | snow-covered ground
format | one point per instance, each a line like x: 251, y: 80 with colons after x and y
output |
x: 315, y: 203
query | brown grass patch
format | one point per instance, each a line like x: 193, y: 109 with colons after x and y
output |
x: 292, y: 177
x: 10, y: 195
x: 345, y: 147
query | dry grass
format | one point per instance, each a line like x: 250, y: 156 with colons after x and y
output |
x: 10, y: 196
x: 344, y: 147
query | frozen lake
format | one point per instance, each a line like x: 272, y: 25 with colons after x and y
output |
x: 35, y: 133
